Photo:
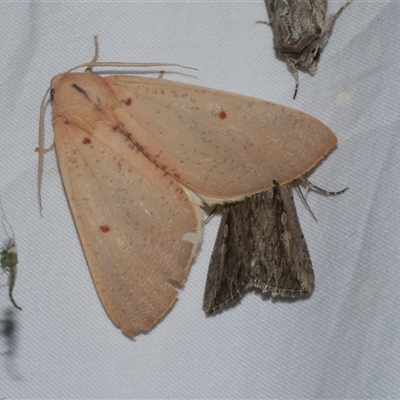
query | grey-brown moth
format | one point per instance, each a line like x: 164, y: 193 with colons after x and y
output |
x: 259, y: 244
x: 301, y: 30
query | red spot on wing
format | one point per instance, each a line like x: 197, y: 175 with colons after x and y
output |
x: 104, y: 228
x: 86, y: 141
x: 128, y: 102
x: 222, y: 114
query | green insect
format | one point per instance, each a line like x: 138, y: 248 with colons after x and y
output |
x: 9, y: 261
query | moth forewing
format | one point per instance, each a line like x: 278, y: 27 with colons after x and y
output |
x: 210, y: 140
x: 259, y: 244
x: 126, y: 144
x: 132, y: 220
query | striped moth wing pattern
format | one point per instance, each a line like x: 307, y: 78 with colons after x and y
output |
x: 259, y: 244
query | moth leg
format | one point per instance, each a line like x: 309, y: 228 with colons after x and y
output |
x: 310, y: 186
x: 330, y: 24
x: 89, y: 70
x: 45, y: 151
x: 263, y: 22
x: 342, y: 8
x: 211, y: 211
x: 291, y: 64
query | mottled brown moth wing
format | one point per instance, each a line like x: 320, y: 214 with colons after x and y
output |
x: 259, y: 244
x: 301, y: 30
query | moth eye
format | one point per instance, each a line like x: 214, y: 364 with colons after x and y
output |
x: 52, y: 94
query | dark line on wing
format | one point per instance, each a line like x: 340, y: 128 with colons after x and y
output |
x: 80, y: 90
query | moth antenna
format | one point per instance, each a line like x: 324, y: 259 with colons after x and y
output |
x: 96, y: 54
x: 127, y: 65
x: 292, y: 68
x: 94, y: 63
x: 41, y: 150
x: 291, y: 65
x: 296, y: 90
x: 96, y: 49
x: 304, y: 199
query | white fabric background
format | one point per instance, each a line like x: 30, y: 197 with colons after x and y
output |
x: 343, y: 342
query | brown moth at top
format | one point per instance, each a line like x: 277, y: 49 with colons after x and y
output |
x: 301, y: 30
x: 140, y: 156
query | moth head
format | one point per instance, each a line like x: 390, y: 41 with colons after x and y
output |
x: 82, y: 99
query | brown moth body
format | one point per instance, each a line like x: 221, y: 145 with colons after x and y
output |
x: 259, y: 244
x: 301, y: 30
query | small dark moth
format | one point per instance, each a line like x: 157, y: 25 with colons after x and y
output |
x: 259, y: 244
x: 301, y: 30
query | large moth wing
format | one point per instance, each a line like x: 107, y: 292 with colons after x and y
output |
x: 137, y: 226
x: 218, y: 144
x: 259, y: 244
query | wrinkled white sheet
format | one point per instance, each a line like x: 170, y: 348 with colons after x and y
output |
x: 343, y: 342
